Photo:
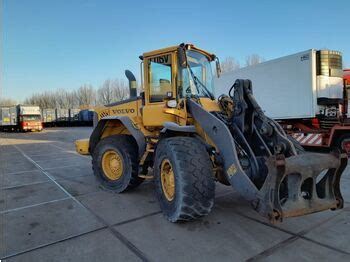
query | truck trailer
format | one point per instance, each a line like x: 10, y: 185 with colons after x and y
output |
x: 21, y: 118
x: 304, y: 92
x: 49, y: 117
x: 8, y: 117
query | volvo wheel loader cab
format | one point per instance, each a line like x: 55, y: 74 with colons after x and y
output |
x: 177, y: 134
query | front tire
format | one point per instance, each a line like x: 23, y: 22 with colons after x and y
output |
x: 184, y: 180
x: 115, y: 163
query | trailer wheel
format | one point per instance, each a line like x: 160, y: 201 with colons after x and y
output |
x: 115, y: 163
x: 184, y: 180
x: 343, y: 142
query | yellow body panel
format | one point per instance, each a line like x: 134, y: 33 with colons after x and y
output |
x: 160, y: 51
x: 209, y: 105
x: 176, y: 112
x: 127, y: 108
x: 154, y: 115
x: 114, y: 128
x: 82, y: 146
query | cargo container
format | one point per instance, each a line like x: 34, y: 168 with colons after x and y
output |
x: 62, y: 117
x: 304, y: 92
x: 74, y: 115
x: 66, y: 117
x: 8, y: 117
x: 49, y: 117
x: 4, y: 116
x: 86, y: 116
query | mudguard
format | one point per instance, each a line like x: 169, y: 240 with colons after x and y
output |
x: 177, y: 128
x: 124, y: 120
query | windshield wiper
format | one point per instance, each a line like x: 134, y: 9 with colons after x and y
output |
x: 196, y: 81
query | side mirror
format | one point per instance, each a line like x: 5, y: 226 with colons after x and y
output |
x: 218, y: 67
x: 181, y: 54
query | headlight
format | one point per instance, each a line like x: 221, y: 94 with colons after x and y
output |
x: 171, y: 103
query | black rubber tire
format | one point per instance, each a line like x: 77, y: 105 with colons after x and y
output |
x: 340, y: 141
x: 194, y: 182
x: 298, y: 147
x: 126, y: 146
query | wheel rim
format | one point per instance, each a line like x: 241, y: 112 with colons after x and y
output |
x: 112, y: 165
x: 167, y: 178
x: 345, y: 144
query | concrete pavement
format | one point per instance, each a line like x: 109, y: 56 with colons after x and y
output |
x: 53, y: 209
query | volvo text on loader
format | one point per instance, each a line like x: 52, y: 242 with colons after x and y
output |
x: 189, y: 140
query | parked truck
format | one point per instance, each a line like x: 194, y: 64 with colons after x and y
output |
x: 21, y: 118
x: 304, y: 92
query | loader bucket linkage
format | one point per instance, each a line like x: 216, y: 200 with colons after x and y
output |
x: 278, y: 182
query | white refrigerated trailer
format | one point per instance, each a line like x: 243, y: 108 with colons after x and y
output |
x: 304, y: 92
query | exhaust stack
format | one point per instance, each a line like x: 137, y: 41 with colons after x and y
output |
x: 132, y: 83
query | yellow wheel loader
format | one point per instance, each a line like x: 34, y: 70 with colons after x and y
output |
x: 177, y: 134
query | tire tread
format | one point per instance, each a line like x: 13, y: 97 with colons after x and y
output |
x: 195, y: 173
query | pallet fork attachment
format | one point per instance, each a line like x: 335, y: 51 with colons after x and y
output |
x: 278, y: 182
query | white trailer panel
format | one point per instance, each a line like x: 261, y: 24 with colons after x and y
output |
x: 29, y: 110
x: 330, y: 87
x: 285, y: 87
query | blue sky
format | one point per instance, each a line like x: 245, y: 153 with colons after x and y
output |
x: 51, y: 44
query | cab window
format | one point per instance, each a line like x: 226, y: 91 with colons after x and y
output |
x: 160, y: 77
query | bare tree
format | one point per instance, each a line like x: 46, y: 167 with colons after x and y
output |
x: 7, y: 102
x: 61, y: 98
x: 71, y: 99
x: 46, y: 99
x: 121, y: 90
x: 105, y: 92
x: 229, y: 65
x: 86, y: 95
x: 112, y: 91
x: 253, y: 60
x: 50, y: 99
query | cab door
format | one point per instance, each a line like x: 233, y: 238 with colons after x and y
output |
x: 159, y: 83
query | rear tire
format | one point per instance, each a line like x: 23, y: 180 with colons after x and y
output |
x: 122, y: 176
x: 194, y: 186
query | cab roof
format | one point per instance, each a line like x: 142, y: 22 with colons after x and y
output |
x: 211, y: 56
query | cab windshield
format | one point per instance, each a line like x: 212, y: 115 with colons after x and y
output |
x: 197, y: 78
x: 31, y: 117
